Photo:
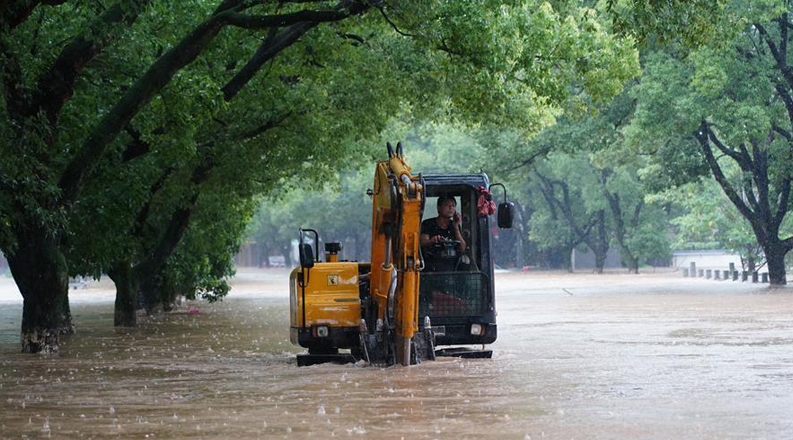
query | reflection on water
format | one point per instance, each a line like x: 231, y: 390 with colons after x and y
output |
x: 594, y: 362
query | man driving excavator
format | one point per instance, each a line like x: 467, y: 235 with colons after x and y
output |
x: 440, y: 233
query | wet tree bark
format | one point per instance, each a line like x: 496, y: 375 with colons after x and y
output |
x: 124, y: 314
x: 40, y: 271
x: 775, y: 259
x: 67, y: 324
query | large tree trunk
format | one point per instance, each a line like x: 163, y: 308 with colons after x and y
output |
x: 775, y: 258
x: 601, y: 242
x: 67, y: 325
x: 631, y: 261
x: 124, y: 314
x: 40, y: 271
x: 150, y: 292
x: 568, y: 258
x: 600, y: 261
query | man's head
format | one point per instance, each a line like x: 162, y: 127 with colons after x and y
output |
x: 446, y: 206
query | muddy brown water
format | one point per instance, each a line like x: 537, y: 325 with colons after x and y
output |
x: 582, y: 356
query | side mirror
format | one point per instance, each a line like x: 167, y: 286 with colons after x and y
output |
x: 506, y: 213
x: 306, y: 256
x: 506, y: 209
x: 304, y: 249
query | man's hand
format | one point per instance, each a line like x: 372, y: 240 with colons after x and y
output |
x: 457, y: 219
x: 436, y: 239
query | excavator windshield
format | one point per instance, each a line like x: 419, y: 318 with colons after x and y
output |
x: 452, y: 283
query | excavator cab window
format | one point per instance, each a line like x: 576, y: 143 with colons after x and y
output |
x: 448, y: 255
x: 454, y: 287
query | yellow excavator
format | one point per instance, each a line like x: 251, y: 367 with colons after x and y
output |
x: 380, y: 311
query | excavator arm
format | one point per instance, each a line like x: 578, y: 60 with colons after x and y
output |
x: 397, y: 205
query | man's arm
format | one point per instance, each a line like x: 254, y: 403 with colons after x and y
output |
x: 457, y: 225
x: 425, y: 240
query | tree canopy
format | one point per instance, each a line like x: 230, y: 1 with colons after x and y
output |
x: 134, y: 112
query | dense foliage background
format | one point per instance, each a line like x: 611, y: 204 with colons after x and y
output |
x: 148, y: 140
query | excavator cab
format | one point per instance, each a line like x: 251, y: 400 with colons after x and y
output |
x: 459, y: 298
x: 395, y: 309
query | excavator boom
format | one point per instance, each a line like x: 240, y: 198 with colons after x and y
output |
x: 396, y: 256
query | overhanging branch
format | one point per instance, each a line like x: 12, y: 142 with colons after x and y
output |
x: 55, y: 87
x: 702, y: 138
x: 15, y: 12
x: 344, y: 10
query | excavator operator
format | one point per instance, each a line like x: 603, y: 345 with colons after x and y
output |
x: 441, y: 239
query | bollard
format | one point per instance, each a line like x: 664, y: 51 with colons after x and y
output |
x: 700, y: 273
x: 754, y: 277
x: 726, y: 275
x: 765, y: 277
x: 732, y: 267
x: 685, y: 273
x: 744, y: 276
x: 692, y: 269
x: 735, y: 275
x: 716, y: 274
x: 708, y: 274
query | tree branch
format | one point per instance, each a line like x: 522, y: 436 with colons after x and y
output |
x: 760, y: 177
x: 564, y: 206
x: 783, y: 36
x: 787, y: 100
x: 784, y: 133
x: 527, y: 162
x: 702, y: 137
x: 13, y: 13
x: 143, y: 214
x: 788, y: 244
x: 779, y: 57
x: 138, y: 147
x: 393, y: 25
x: 748, y: 190
x: 273, y: 46
x: 12, y: 78
x: 782, y: 206
x: 156, y: 77
x: 267, y: 51
x: 154, y: 80
x: 344, y: 10
x: 271, y: 123
x: 743, y: 162
x: 55, y: 86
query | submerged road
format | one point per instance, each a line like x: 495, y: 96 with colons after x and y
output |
x: 578, y: 356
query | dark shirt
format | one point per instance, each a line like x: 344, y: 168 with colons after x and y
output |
x: 432, y: 258
x: 432, y: 228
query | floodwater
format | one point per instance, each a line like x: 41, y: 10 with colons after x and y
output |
x: 578, y: 356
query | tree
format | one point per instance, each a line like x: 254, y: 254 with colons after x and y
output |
x: 565, y: 185
x: 48, y: 168
x: 72, y: 106
x: 729, y: 107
